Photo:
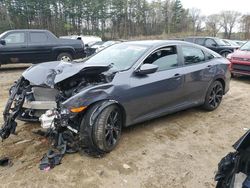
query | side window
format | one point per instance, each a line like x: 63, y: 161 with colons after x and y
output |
x: 210, y: 43
x: 15, y: 38
x: 192, y: 55
x: 199, y: 41
x: 165, y: 58
x: 209, y: 56
x: 37, y: 37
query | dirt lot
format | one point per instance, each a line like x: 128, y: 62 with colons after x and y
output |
x: 179, y: 150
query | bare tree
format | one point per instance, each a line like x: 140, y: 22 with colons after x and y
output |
x: 213, y: 24
x: 245, y: 26
x: 195, y: 15
x: 228, y: 22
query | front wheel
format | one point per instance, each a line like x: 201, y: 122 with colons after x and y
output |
x: 103, y: 136
x: 214, y: 96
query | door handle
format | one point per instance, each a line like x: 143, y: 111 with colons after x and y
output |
x: 209, y: 66
x: 177, y: 76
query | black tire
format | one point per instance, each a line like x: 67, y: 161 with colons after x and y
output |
x: 101, y: 135
x: 214, y: 96
x: 64, y: 57
x: 224, y: 54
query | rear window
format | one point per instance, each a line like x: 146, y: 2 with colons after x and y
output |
x: 37, y: 37
x: 192, y: 55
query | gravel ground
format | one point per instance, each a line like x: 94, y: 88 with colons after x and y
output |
x: 175, y: 151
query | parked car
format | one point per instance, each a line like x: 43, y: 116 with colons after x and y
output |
x: 231, y: 43
x: 240, y: 42
x: 86, y: 39
x: 36, y: 46
x: 122, y: 85
x: 234, y: 168
x: 91, y: 48
x: 96, y: 48
x: 213, y: 43
x: 240, y: 60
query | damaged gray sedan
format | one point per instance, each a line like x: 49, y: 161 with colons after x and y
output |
x: 86, y: 104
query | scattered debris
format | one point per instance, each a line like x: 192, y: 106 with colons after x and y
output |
x: 5, y: 161
x: 23, y: 141
x: 125, y: 181
x: 126, y: 166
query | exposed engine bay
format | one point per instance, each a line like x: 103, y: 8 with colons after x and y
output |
x: 42, y: 99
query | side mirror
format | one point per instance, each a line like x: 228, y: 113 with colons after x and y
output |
x: 2, y: 42
x: 214, y: 45
x: 86, y: 45
x: 147, y: 69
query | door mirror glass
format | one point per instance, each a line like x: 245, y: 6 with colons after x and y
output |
x: 147, y: 69
x: 2, y: 42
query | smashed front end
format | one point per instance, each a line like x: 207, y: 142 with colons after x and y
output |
x: 54, y: 94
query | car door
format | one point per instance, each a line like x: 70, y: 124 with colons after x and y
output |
x: 199, y: 70
x: 160, y: 92
x: 40, y: 47
x: 15, y: 48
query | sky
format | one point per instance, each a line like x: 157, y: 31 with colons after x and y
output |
x: 216, y: 6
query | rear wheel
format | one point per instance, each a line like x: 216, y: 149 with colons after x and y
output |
x: 214, y: 96
x: 65, y: 57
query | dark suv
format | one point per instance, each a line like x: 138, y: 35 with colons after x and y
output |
x: 212, y: 43
x: 36, y: 46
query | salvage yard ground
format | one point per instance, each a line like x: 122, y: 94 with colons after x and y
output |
x: 179, y: 150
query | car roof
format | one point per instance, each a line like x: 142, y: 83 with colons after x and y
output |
x: 27, y: 30
x: 160, y: 43
x: 155, y: 43
x: 199, y: 37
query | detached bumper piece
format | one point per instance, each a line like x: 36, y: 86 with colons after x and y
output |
x: 13, y: 107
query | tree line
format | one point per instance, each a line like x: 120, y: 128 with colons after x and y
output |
x: 118, y: 18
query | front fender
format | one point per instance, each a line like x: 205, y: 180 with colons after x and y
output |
x: 90, y: 96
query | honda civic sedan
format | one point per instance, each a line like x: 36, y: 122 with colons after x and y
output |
x: 122, y: 85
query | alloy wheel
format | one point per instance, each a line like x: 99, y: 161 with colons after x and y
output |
x: 113, y: 128
x: 215, y: 96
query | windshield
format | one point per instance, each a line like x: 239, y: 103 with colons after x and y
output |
x: 220, y: 42
x: 1, y: 35
x: 121, y: 56
x: 246, y: 46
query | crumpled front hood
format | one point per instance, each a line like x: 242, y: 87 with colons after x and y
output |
x: 51, y: 73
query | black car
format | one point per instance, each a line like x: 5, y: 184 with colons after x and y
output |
x: 36, y: 46
x: 214, y: 44
x: 122, y: 85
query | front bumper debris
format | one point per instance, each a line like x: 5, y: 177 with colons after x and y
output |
x: 13, y: 107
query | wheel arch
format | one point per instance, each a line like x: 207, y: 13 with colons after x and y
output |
x: 225, y: 50
x: 60, y: 50
x: 104, y: 104
x: 222, y: 81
